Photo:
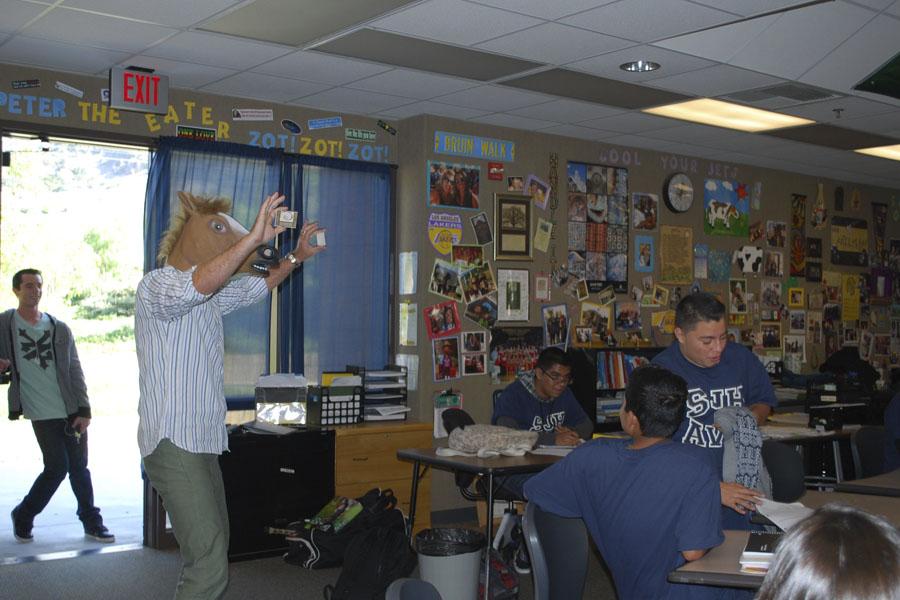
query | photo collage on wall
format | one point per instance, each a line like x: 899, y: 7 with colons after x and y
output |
x: 598, y: 225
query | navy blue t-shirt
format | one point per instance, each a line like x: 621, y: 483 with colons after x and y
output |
x: 532, y: 414
x: 641, y: 507
x: 738, y: 380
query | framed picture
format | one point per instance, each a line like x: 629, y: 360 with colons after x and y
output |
x: 474, y: 341
x: 796, y: 297
x: 514, y: 350
x: 737, y: 296
x: 556, y: 325
x: 542, y: 287
x: 771, y: 335
x: 538, y: 190
x: 512, y: 299
x: 512, y: 222
x: 442, y: 319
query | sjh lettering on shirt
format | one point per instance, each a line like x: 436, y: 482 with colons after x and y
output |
x: 551, y: 422
x: 700, y: 403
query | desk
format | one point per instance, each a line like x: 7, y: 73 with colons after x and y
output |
x: 499, y: 466
x: 886, y: 484
x: 721, y: 566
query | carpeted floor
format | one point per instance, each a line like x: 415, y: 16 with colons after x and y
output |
x: 151, y: 575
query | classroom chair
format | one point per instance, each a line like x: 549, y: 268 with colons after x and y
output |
x: 867, y: 447
x: 785, y: 467
x: 558, y: 547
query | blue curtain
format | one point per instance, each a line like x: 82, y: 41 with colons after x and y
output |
x: 336, y: 310
x: 244, y: 174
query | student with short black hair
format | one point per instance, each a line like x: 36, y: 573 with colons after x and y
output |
x: 650, y: 504
x: 719, y: 374
x: 838, y: 553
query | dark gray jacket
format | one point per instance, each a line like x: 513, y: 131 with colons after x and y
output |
x: 65, y: 357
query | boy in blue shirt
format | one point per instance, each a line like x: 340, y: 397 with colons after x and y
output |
x: 719, y: 373
x: 650, y: 504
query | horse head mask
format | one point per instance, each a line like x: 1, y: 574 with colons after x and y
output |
x: 204, y: 230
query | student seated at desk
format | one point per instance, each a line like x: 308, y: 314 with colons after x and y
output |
x: 540, y: 400
x: 649, y: 503
x: 838, y: 553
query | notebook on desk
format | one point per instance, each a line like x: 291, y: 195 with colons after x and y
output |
x: 758, y: 552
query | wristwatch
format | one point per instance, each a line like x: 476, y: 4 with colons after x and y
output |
x: 292, y: 259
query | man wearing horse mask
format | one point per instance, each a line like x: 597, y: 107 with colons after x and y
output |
x: 180, y: 349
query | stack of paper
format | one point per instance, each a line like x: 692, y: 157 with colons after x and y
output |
x: 385, y: 412
x: 757, y: 554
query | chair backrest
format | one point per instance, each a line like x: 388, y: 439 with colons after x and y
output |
x: 558, y: 548
x: 867, y: 446
x: 495, y: 397
x: 785, y: 467
x: 411, y: 589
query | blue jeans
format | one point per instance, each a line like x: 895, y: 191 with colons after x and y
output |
x: 63, y: 454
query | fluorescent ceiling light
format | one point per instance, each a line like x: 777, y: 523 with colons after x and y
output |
x: 639, y: 66
x: 889, y: 152
x: 727, y: 114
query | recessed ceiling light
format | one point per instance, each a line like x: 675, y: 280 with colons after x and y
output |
x: 727, y: 114
x: 639, y: 66
x: 889, y: 152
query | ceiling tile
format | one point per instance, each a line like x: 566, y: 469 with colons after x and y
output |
x: 88, y: 29
x: 432, y: 108
x: 492, y: 98
x: 344, y: 100
x: 746, y: 8
x: 177, y: 13
x: 582, y: 86
x: 718, y: 80
x: 181, y: 74
x: 264, y: 87
x: 298, y: 24
x: 799, y: 39
x: 319, y: 67
x: 412, y: 84
x: 894, y: 9
x: 24, y: 50
x: 885, y: 123
x: 823, y: 112
x: 216, y: 50
x: 577, y: 131
x: 690, y: 133
x: 16, y: 14
x: 874, y: 4
x: 671, y: 63
x: 546, y: 10
x: 638, y: 141
x: 513, y: 121
x: 833, y: 137
x: 634, y: 122
x: 567, y: 111
x: 721, y: 43
x: 554, y: 43
x: 454, y: 21
x: 858, y: 57
x: 404, y: 51
x: 648, y: 20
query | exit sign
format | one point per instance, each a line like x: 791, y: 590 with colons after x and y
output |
x: 139, y: 90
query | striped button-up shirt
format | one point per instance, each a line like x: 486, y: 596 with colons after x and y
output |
x: 180, y: 350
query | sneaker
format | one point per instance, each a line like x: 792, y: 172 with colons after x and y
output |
x: 22, y: 533
x: 99, y: 534
x: 522, y: 562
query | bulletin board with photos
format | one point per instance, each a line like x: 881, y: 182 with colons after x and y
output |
x: 598, y: 225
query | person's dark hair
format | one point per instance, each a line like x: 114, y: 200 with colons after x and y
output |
x: 838, y: 553
x: 552, y: 356
x: 696, y: 307
x: 17, y: 278
x: 658, y: 398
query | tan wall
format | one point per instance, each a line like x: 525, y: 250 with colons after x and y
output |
x: 647, y: 171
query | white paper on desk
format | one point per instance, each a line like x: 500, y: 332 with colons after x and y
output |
x: 795, y: 418
x: 280, y: 380
x: 552, y: 450
x: 778, y: 432
x: 782, y: 514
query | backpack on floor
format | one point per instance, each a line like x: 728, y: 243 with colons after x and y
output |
x: 318, y: 544
x: 374, y: 559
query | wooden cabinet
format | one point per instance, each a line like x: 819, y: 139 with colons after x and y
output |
x: 365, y: 456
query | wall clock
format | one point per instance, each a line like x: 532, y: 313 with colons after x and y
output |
x: 678, y: 192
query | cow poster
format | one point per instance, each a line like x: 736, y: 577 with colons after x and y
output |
x: 726, y: 208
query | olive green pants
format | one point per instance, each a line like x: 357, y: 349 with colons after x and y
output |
x: 194, y: 497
